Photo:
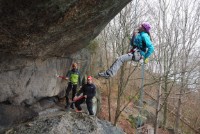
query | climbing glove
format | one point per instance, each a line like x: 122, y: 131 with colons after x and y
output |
x: 146, y: 60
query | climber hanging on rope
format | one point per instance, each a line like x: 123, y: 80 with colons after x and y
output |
x: 74, y: 78
x: 142, y: 48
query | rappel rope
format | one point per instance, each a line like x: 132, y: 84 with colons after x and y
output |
x: 140, y: 120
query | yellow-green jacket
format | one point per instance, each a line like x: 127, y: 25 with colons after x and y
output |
x: 74, y: 76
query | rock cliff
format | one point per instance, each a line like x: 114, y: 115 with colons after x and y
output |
x: 47, y: 28
x: 39, y: 39
x: 66, y: 123
x: 42, y: 37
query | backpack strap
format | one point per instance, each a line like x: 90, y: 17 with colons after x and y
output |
x: 143, y: 43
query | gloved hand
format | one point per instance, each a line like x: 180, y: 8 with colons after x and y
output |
x: 146, y: 60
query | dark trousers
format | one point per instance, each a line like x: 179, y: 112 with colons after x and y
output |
x: 69, y: 88
x: 88, y: 103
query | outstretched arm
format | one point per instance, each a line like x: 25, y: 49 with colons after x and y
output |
x: 62, y: 77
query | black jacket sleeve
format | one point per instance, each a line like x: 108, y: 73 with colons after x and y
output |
x: 79, y: 78
x: 92, y: 91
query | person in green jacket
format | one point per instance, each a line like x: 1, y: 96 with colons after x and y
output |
x: 74, y: 78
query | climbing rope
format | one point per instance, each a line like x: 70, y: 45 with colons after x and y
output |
x: 139, y: 118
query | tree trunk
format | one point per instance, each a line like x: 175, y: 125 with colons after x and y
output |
x: 158, y: 107
x: 109, y: 100
x: 120, y: 91
x: 178, y: 112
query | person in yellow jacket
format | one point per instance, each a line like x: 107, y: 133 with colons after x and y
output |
x: 74, y: 78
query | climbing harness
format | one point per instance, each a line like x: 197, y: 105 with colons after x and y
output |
x: 136, y: 55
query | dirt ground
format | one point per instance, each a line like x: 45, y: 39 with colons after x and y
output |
x: 123, y: 123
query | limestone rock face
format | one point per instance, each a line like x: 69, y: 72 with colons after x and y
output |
x: 10, y: 115
x: 67, y: 123
x: 40, y: 38
x: 46, y: 28
x: 24, y: 81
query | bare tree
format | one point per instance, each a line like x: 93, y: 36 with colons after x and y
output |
x: 175, y: 62
x: 105, y: 38
x: 120, y: 29
x: 189, y: 29
x: 167, y: 17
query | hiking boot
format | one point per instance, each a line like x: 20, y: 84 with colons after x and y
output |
x: 67, y: 106
x: 72, y: 106
x: 104, y: 74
